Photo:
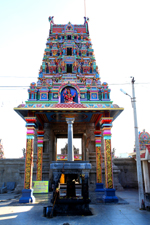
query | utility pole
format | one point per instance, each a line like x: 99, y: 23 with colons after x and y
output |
x: 85, y: 7
x: 138, y: 159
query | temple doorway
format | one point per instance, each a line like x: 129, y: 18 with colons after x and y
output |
x: 69, y: 68
x: 62, y: 148
x: 69, y: 51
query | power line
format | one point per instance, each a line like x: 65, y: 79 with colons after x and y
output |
x: 16, y: 77
x: 14, y: 86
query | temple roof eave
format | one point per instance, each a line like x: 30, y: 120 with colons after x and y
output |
x: 73, y: 109
x: 114, y: 112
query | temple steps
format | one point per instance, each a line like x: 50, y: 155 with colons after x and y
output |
x: 92, y: 157
x: 92, y: 160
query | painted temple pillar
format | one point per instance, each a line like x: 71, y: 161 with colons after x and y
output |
x: 99, y: 183
x: 40, y: 137
x: 106, y: 124
x: 70, y: 122
x: 27, y: 192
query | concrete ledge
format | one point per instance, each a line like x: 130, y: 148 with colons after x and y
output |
x: 70, y: 165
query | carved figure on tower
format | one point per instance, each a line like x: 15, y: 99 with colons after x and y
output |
x: 63, y: 66
x: 94, y: 67
x: 51, y: 23
x: 74, y: 51
x: 68, y: 97
x: 44, y: 66
x: 75, y: 66
x: 79, y: 68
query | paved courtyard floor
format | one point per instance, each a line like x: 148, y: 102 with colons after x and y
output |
x: 125, y: 212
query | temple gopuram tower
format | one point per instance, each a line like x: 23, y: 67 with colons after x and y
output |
x: 69, y: 95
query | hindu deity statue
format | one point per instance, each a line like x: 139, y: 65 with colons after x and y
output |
x: 94, y: 66
x: 79, y: 68
x: 63, y: 66
x: 75, y: 66
x: 50, y: 68
x: 44, y: 66
x: 74, y: 51
x: 60, y: 52
x: 59, y: 69
x: 68, y: 97
x: 64, y: 51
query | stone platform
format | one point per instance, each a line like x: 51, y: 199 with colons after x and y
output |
x: 72, y: 197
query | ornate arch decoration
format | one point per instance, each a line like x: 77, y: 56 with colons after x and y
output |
x: 144, y: 138
x: 144, y: 135
x: 69, y: 27
x: 73, y: 87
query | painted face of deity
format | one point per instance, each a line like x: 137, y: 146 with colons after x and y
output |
x: 68, y: 91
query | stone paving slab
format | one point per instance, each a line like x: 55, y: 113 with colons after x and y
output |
x: 13, y: 213
x: 9, y: 196
x: 102, y: 215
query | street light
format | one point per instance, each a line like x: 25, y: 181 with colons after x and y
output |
x: 138, y: 160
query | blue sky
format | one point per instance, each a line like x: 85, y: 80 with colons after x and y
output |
x: 120, y: 35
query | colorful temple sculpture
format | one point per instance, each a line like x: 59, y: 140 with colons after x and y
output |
x: 1, y: 150
x: 144, y: 142
x: 69, y: 100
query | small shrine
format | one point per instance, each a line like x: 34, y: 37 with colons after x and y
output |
x: 69, y: 100
x: 144, y: 139
x: 144, y: 142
